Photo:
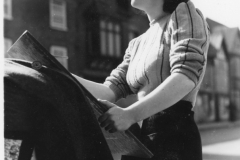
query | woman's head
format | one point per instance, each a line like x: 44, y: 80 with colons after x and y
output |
x: 167, y: 6
x: 156, y: 8
x: 170, y: 5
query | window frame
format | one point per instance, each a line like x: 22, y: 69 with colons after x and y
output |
x: 63, y: 59
x: 8, y: 13
x: 62, y: 14
x: 113, y: 36
x: 7, y: 44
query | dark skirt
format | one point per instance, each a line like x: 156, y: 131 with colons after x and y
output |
x: 172, y: 134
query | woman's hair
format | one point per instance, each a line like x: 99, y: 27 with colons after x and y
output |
x: 170, y: 5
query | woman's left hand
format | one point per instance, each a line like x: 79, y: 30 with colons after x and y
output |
x: 116, y: 118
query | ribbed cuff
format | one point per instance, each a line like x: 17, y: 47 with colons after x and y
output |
x: 115, y: 89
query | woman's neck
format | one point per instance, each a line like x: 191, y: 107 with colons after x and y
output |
x: 155, y: 11
x: 157, y: 18
x: 153, y: 16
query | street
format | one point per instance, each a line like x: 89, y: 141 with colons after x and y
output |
x: 221, y: 143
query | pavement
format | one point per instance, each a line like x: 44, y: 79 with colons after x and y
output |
x: 221, y: 141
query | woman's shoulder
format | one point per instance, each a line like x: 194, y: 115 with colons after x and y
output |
x: 136, y: 40
x: 187, y: 16
x: 187, y: 13
x: 185, y: 8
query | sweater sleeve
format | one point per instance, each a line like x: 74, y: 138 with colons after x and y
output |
x: 117, y: 80
x: 189, y: 37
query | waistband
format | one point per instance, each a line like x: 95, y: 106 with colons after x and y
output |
x: 180, y: 107
x: 167, y: 117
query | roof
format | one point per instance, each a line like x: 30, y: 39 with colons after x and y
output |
x: 222, y: 34
x: 231, y: 39
x: 213, y: 24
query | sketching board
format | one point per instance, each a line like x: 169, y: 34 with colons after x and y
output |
x: 124, y: 143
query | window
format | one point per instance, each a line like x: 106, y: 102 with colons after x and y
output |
x: 110, y: 39
x: 7, y: 45
x: 236, y: 67
x: 8, y: 9
x: 223, y: 107
x: 221, y: 72
x: 60, y: 53
x: 58, y: 14
x: 207, y: 83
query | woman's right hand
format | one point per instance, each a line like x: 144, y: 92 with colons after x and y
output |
x: 116, y: 118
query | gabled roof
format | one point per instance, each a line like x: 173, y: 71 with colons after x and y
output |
x: 229, y: 36
x: 232, y: 40
x: 213, y: 24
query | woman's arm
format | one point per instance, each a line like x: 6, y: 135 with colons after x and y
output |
x: 173, y: 89
x: 189, y: 39
x: 98, y: 90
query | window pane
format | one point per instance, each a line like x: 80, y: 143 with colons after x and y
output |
x: 58, y: 2
x: 117, y: 28
x: 7, y: 45
x: 237, y: 98
x: 8, y: 9
x: 57, y: 8
x: 58, y: 19
x: 110, y: 39
x: 60, y: 53
x: 118, y: 45
x: 110, y: 44
x: 102, y: 25
x: 103, y: 42
x: 110, y: 26
x: 238, y: 68
x: 103, y: 37
x: 58, y: 14
x: 235, y: 67
x: 221, y: 70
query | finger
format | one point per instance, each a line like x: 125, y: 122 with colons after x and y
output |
x: 112, y: 130
x: 107, y: 103
x: 109, y: 127
x: 105, y: 123
x: 102, y: 118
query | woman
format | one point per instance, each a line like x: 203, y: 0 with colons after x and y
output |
x: 164, y: 68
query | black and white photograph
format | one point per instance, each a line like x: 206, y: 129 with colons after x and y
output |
x: 120, y: 80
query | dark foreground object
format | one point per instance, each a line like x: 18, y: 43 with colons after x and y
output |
x: 47, y: 108
x: 47, y: 112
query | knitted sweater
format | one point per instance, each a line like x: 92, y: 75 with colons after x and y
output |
x: 177, y: 43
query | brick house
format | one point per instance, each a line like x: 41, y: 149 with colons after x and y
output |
x: 89, y: 38
x: 219, y: 96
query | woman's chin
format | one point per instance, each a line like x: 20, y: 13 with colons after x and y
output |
x: 135, y: 4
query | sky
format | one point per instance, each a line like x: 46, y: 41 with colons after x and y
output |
x: 226, y: 12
